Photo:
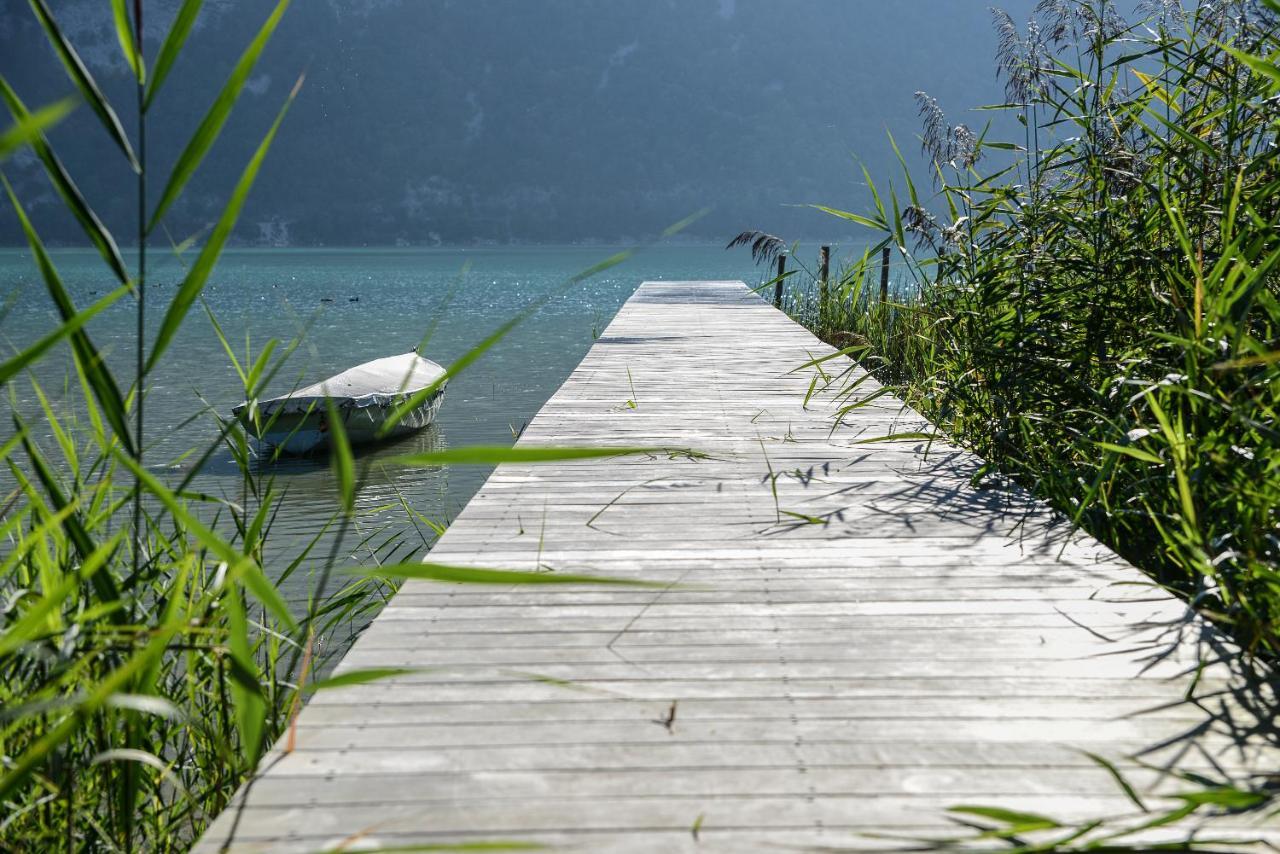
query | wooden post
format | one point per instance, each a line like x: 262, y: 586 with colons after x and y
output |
x: 777, y: 288
x: 824, y: 288
x: 884, y: 275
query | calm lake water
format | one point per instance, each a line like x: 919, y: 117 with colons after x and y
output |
x: 351, y: 306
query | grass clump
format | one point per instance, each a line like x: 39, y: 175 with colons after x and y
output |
x: 1095, y: 308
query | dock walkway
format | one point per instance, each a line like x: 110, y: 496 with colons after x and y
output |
x: 851, y: 640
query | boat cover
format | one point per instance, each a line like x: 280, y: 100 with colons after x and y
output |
x: 382, y: 382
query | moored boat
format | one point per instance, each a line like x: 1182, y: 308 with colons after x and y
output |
x: 363, y: 396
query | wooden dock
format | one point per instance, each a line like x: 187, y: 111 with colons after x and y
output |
x: 851, y: 640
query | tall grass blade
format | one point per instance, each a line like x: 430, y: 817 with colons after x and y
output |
x: 852, y: 217
x: 1258, y: 65
x: 196, y: 278
x: 32, y: 354
x: 419, y: 397
x: 124, y: 35
x: 100, y: 378
x: 251, y: 706
x: 492, y: 455
x: 477, y: 575
x: 363, y: 676
x: 344, y: 465
x: 84, y: 81
x: 1125, y: 785
x: 67, y: 190
x: 170, y: 49
x: 211, y: 126
x: 31, y: 126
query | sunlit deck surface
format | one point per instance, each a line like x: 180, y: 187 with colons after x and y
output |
x: 881, y: 642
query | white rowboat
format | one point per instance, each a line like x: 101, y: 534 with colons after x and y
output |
x: 364, y: 396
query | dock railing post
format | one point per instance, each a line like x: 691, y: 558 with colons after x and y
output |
x: 777, y: 288
x: 824, y: 287
x: 884, y: 275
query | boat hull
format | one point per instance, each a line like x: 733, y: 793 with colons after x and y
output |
x: 310, y: 432
x: 363, y: 397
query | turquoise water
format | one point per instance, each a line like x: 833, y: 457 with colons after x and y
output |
x: 350, y: 306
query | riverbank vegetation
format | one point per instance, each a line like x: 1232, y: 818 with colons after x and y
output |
x: 146, y: 661
x: 1094, y: 307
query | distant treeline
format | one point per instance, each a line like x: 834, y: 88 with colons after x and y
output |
x: 556, y: 121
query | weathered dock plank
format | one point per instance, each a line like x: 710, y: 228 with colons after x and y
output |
x: 851, y: 638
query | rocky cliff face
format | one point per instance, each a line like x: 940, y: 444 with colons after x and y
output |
x: 426, y: 121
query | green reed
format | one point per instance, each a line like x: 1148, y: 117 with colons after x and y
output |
x: 147, y: 658
x: 1095, y: 308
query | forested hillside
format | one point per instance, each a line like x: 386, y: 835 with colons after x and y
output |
x: 508, y: 120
